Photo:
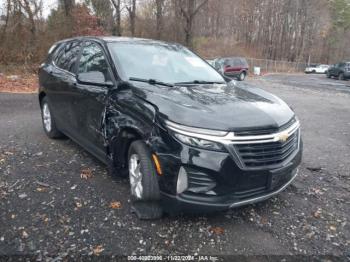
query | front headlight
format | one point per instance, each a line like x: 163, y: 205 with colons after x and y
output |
x: 200, y: 143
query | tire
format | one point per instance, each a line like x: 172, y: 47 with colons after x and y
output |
x: 341, y: 76
x: 144, y: 187
x: 49, y: 124
x: 313, y: 71
x: 242, y: 76
x: 328, y: 75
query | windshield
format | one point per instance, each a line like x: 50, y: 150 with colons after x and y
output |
x: 162, y: 62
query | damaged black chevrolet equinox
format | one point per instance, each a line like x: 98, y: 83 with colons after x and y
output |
x: 189, y: 139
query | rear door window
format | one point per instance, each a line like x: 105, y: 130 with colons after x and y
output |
x: 237, y: 62
x: 68, y: 55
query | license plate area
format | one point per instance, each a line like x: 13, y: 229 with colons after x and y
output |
x: 279, y: 179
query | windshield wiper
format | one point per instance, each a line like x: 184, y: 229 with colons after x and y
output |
x: 199, y: 82
x: 150, y: 81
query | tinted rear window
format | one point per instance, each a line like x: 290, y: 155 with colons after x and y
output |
x: 236, y: 61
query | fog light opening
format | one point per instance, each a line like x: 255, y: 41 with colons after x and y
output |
x: 182, y: 181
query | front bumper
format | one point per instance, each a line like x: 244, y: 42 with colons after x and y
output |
x: 218, y: 180
x: 200, y: 204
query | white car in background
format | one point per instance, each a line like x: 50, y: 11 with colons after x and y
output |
x: 316, y: 69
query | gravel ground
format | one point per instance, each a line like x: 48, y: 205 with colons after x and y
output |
x: 56, y: 200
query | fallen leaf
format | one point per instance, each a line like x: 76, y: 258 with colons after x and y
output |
x: 315, y: 169
x: 317, y: 214
x: 333, y: 228
x: 264, y: 220
x: 8, y: 153
x: 23, y: 195
x: 78, y: 204
x: 115, y: 205
x: 41, y: 189
x: 42, y: 184
x: 86, y: 173
x: 24, y: 234
x: 98, y: 249
x: 216, y: 230
x: 310, y: 235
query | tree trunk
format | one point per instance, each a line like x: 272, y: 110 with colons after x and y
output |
x: 3, y: 33
x: 159, y: 17
x: 132, y: 17
x: 117, y: 28
x: 189, y: 15
x: 67, y: 6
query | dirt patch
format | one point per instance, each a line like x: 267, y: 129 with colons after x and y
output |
x: 23, y: 83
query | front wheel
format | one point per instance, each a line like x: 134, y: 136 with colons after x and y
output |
x: 328, y: 74
x: 48, y: 121
x: 341, y: 76
x: 242, y: 76
x: 144, y: 188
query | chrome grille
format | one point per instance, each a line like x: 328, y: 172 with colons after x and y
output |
x: 259, y: 155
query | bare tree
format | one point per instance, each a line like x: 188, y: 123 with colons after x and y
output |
x: 31, y: 9
x: 67, y: 6
x: 189, y: 10
x: 117, y: 7
x: 3, y: 33
x: 159, y: 17
x: 131, y: 8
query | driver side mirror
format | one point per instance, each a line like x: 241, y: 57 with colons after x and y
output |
x: 93, y: 78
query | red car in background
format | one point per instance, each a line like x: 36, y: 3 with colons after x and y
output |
x: 236, y: 67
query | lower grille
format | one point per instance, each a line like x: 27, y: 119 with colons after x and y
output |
x: 260, y: 155
x: 199, y: 182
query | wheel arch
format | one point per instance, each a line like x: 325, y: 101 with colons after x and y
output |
x: 119, y: 144
x: 42, y: 94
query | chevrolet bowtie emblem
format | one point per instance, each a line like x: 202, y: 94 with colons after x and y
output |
x: 282, y: 137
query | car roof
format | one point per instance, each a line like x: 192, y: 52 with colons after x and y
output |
x: 118, y: 39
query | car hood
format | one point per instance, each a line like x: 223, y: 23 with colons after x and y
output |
x: 228, y: 107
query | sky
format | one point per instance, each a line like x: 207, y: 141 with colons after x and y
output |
x: 47, y: 6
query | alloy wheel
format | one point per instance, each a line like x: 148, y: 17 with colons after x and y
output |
x: 47, y: 117
x: 135, y: 176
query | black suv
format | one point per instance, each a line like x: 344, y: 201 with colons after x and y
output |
x: 188, y: 139
x: 341, y: 71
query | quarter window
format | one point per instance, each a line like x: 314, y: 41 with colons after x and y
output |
x: 93, y: 59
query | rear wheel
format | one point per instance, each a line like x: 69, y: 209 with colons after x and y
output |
x: 341, y: 76
x: 48, y: 121
x: 328, y: 75
x: 144, y: 188
x: 242, y: 76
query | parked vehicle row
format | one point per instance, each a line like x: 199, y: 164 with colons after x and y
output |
x: 316, y: 69
x: 340, y: 71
